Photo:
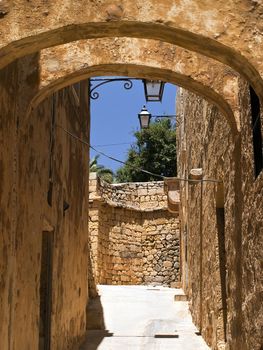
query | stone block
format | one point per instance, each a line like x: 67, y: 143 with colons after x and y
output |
x: 177, y: 284
x: 180, y: 297
x: 167, y: 264
x: 142, y: 192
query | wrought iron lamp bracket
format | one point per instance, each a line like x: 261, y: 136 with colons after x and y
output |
x: 94, y: 95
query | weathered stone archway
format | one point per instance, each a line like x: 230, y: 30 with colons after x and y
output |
x: 204, y: 32
x: 57, y: 73
x: 150, y: 59
x: 228, y: 32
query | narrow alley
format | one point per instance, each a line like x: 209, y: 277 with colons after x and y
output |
x: 131, y: 171
x: 143, y: 318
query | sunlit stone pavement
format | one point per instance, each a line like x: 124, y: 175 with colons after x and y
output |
x: 144, y: 317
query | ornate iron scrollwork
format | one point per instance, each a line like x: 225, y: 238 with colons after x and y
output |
x: 94, y: 95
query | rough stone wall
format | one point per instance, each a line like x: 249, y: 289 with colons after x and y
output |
x: 134, y: 239
x: 251, y: 238
x: 193, y: 25
x: 119, y: 258
x: 136, y: 196
x: 25, y: 214
x: 218, y: 251
x: 150, y: 59
x: 160, y: 248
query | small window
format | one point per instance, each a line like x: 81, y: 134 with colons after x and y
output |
x: 256, y: 131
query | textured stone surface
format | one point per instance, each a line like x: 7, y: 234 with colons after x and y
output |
x: 147, y: 196
x: 8, y: 190
x: 230, y: 32
x: 150, y: 60
x: 133, y: 238
x: 194, y: 25
x: 25, y: 214
x: 216, y: 267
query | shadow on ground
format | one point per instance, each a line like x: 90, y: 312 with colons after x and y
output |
x: 96, y: 331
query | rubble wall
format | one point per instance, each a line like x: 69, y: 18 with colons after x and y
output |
x: 134, y: 239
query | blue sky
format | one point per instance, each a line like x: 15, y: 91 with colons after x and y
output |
x: 114, y: 117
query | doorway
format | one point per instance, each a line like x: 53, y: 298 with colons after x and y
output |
x: 46, y: 291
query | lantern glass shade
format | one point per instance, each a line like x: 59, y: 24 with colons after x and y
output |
x: 153, y: 90
x: 144, y: 118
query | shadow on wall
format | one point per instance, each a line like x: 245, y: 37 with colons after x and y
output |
x: 220, y: 221
x: 93, y: 293
x: 95, y: 317
x: 96, y: 331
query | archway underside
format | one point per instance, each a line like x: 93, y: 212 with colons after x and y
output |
x: 231, y: 44
x: 66, y: 64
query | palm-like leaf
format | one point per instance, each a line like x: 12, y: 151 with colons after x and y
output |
x: 105, y: 173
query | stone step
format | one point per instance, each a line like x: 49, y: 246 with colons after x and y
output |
x: 180, y: 297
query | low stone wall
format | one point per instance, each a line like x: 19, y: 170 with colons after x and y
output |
x: 145, y: 196
x: 133, y: 237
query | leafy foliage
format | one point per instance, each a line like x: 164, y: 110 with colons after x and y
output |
x: 154, y: 151
x: 104, y: 173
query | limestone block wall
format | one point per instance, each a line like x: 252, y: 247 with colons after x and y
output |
x: 221, y: 224
x: 134, y: 239
x: 119, y: 256
x: 160, y: 248
x: 136, y: 196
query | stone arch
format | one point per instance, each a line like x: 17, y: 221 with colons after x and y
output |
x: 198, y: 28
x: 151, y: 59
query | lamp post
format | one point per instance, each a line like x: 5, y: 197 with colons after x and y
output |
x: 153, y: 89
x: 145, y: 117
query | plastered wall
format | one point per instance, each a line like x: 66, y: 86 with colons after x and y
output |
x: 26, y: 159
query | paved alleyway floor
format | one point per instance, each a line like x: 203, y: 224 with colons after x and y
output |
x: 144, y: 318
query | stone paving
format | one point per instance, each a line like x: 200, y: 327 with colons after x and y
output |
x: 144, y: 318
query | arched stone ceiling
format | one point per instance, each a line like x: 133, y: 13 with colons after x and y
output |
x: 228, y: 31
x: 66, y: 64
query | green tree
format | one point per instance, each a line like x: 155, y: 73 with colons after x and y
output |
x: 154, y: 151
x: 104, y: 173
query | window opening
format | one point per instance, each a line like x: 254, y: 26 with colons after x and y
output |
x: 256, y: 131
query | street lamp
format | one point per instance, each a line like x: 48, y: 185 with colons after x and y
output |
x: 145, y: 117
x: 153, y: 90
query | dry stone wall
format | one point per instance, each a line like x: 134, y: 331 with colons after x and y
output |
x: 134, y: 239
x: 147, y: 196
x: 160, y: 248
